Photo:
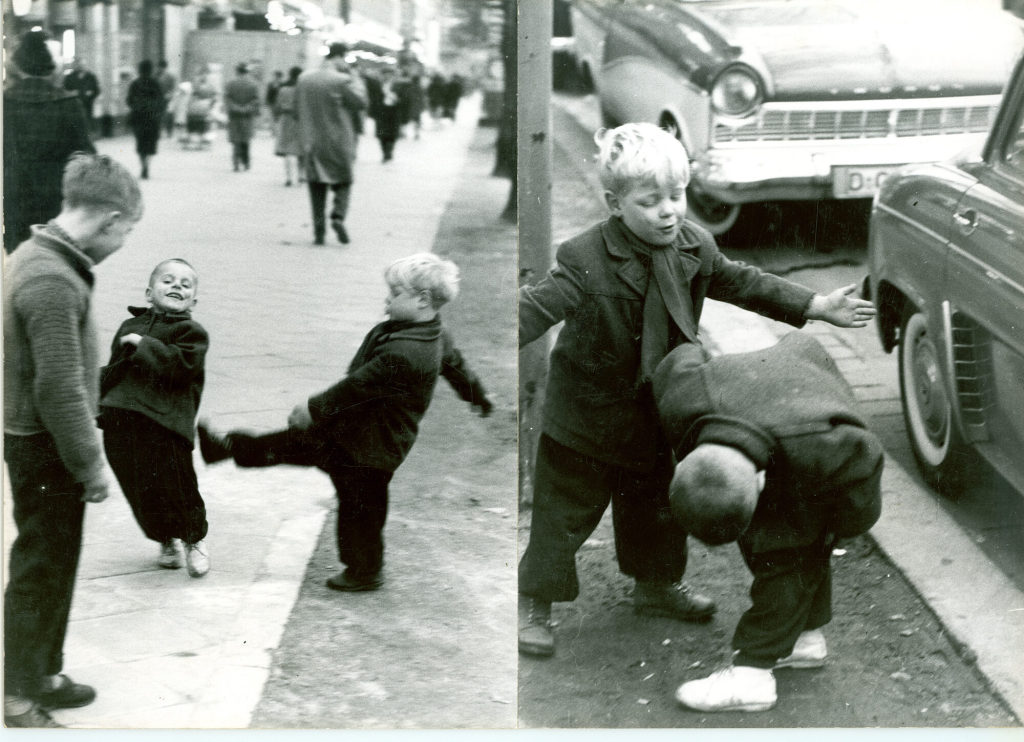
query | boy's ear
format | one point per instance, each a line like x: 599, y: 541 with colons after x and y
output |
x: 149, y: 294
x: 611, y: 200
x: 423, y: 299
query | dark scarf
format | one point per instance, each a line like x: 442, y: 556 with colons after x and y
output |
x: 664, y: 302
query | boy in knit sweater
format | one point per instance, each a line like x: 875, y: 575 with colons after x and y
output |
x: 774, y: 454
x: 53, y: 454
x: 361, y: 429
x: 149, y: 396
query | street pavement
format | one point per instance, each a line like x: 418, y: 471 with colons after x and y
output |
x: 165, y: 650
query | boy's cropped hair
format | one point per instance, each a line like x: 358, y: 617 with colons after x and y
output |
x: 180, y: 261
x: 99, y: 182
x: 715, y: 502
x: 640, y: 153
x: 426, y: 272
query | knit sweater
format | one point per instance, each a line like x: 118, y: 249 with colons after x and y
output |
x: 51, y: 367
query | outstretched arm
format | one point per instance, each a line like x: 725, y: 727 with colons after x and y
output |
x: 843, y: 308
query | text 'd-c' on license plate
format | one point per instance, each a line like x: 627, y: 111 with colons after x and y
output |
x: 858, y: 182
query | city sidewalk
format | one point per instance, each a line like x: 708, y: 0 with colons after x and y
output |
x: 285, y: 317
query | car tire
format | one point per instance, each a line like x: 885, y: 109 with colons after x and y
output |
x: 942, y: 455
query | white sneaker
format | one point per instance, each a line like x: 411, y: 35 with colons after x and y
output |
x: 171, y: 556
x: 809, y: 652
x: 735, y: 688
x: 197, y: 558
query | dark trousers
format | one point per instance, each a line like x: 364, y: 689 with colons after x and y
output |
x: 154, y: 468
x: 49, y: 514
x: 571, y: 493
x: 240, y: 155
x: 791, y: 593
x: 318, y: 200
x: 362, y: 491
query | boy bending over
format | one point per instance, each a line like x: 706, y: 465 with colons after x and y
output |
x: 775, y: 455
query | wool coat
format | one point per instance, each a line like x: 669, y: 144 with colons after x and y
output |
x: 593, y: 403
x: 242, y: 104
x: 327, y: 103
x: 789, y: 409
x: 43, y: 126
x: 373, y: 413
x: 161, y: 378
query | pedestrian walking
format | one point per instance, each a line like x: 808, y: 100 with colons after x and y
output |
x: 179, y: 110
x: 436, y: 95
x: 43, y: 126
x: 146, y: 105
x: 85, y: 85
x: 200, y: 109
x: 149, y: 396
x: 242, y: 103
x: 54, y: 461
x: 272, y: 90
x: 288, y: 145
x: 361, y: 429
x: 451, y: 95
x: 329, y: 101
x: 410, y: 77
x: 629, y: 290
x: 774, y: 454
x: 386, y: 105
x: 168, y: 84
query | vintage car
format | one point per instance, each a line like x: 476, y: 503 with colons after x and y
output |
x: 946, y: 256
x: 798, y: 99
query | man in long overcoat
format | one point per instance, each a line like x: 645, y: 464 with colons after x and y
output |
x: 327, y: 102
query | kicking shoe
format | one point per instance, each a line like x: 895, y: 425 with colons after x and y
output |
x: 197, y: 558
x: 535, y: 635
x: 346, y: 583
x: 808, y: 653
x: 172, y: 555
x: 34, y: 718
x: 212, y: 447
x: 339, y: 229
x: 671, y: 601
x: 735, y: 688
x: 67, y: 695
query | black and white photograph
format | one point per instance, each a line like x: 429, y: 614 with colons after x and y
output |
x: 496, y: 366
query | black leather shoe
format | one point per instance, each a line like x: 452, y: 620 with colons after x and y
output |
x: 213, y: 447
x: 339, y: 229
x: 68, y: 695
x: 671, y: 601
x: 535, y: 635
x: 346, y: 583
x: 34, y: 718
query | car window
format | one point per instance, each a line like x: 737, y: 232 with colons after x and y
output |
x: 1014, y: 156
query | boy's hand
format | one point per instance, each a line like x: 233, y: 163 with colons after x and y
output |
x: 842, y: 308
x: 132, y: 338
x: 300, y: 417
x: 96, y: 489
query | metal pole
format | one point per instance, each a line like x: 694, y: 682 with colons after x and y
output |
x: 534, y: 186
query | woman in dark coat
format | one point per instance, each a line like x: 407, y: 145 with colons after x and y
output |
x: 146, y: 104
x: 43, y: 125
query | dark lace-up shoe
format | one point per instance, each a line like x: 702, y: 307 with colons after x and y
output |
x: 535, y: 635
x: 67, y: 695
x: 671, y: 601
x: 347, y: 583
x: 212, y: 447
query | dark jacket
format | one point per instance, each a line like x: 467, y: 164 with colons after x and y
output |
x: 146, y: 102
x: 374, y: 412
x: 163, y: 377
x: 789, y: 409
x: 43, y: 126
x: 593, y: 403
x: 85, y: 85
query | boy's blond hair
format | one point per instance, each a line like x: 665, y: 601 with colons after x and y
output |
x: 634, y: 154
x: 427, y: 272
x: 714, y: 492
x: 100, y: 182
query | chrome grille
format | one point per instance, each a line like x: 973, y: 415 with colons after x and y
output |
x: 823, y: 124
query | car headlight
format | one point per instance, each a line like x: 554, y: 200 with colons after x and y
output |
x: 736, y: 92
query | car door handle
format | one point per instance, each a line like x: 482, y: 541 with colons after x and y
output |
x: 966, y: 220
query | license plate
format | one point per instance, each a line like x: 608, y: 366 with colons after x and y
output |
x: 858, y: 182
